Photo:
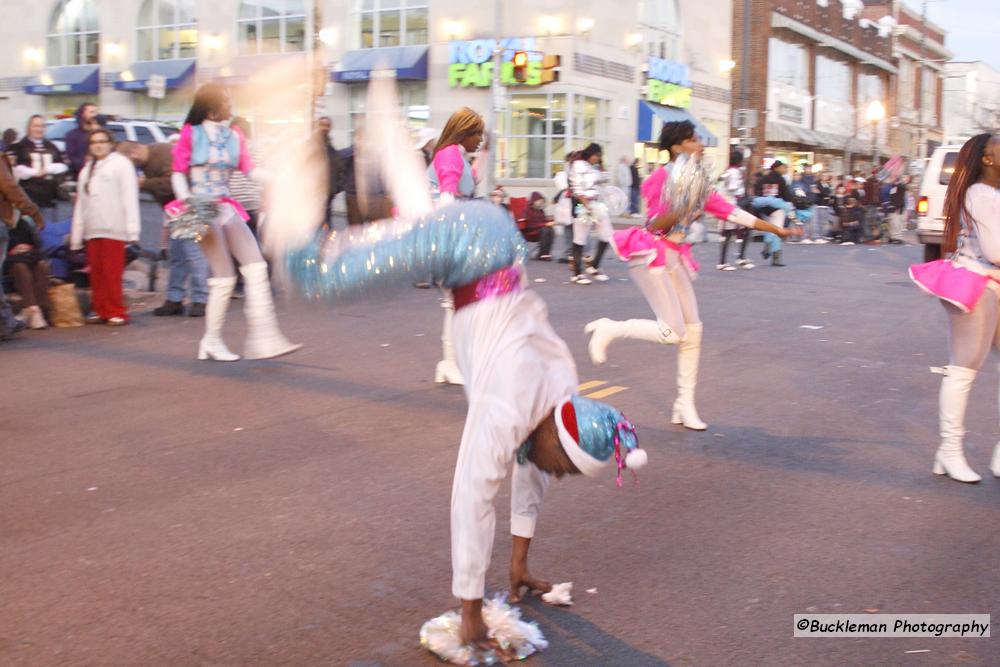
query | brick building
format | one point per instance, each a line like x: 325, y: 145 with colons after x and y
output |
x: 920, y: 55
x: 813, y: 69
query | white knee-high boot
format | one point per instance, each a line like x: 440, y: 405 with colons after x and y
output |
x: 447, y: 371
x: 688, y: 355
x: 264, y: 338
x: 950, y: 459
x: 211, y: 345
x: 605, y: 330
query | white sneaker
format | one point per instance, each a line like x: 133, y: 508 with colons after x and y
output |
x: 580, y: 279
x: 725, y: 267
x: 597, y: 274
x: 820, y: 241
x: 806, y: 240
x: 34, y: 318
x: 745, y: 264
x: 847, y: 243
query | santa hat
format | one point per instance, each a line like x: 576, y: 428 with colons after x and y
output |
x: 593, y: 434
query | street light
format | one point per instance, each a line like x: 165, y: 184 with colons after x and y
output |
x: 875, y: 113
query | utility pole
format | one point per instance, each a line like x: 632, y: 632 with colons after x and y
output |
x: 922, y: 130
x: 498, y: 99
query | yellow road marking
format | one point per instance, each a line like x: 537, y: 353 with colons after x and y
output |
x: 590, y: 385
x: 607, y: 391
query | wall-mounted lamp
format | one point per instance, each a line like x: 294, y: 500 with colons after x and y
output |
x: 328, y: 36
x: 454, y: 29
x: 33, y: 56
x: 585, y: 25
x: 550, y: 25
x: 213, y: 42
x: 726, y: 66
x: 114, y: 49
x: 633, y: 39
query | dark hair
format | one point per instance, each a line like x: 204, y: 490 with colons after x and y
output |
x: 243, y: 125
x: 674, y: 133
x: 968, y: 171
x: 590, y: 151
x: 90, y: 158
x: 9, y: 136
x: 207, y: 99
x: 735, y: 158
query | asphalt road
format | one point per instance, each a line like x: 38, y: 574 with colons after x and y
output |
x: 156, y: 510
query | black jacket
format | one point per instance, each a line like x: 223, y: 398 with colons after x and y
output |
x: 773, y: 184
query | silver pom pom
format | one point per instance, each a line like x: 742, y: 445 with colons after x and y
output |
x: 688, y: 187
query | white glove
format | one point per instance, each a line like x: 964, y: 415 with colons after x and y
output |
x: 179, y: 182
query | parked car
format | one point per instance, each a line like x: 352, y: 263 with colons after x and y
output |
x: 142, y: 131
x: 930, y: 201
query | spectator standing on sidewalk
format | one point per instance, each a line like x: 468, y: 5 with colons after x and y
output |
x: 871, y: 201
x: 897, y: 210
x: 634, y: 192
x: 14, y: 202
x: 106, y: 217
x: 623, y: 178
x: 773, y: 199
x: 187, y: 262
x: 334, y: 164
x: 87, y: 119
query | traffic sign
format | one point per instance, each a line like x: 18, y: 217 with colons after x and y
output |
x: 156, y: 86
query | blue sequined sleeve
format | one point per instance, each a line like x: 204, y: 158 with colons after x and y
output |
x: 453, y: 246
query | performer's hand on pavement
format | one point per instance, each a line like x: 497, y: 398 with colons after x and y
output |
x: 520, y: 579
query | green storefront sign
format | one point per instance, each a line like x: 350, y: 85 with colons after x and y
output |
x: 480, y: 75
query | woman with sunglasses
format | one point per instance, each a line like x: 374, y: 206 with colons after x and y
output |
x: 106, y: 217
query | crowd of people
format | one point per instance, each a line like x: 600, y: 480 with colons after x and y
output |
x: 107, y: 177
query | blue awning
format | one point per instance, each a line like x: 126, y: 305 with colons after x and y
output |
x: 410, y: 62
x: 62, y: 80
x: 176, y: 72
x: 648, y: 111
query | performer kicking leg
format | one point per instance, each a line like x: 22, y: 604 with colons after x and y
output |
x: 661, y: 264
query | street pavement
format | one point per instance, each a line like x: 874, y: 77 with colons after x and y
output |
x: 157, y: 510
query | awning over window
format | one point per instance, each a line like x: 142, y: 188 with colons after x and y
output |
x: 62, y: 80
x: 409, y: 62
x: 649, y: 130
x: 787, y: 133
x: 176, y: 72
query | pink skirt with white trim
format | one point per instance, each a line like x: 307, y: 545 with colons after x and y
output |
x: 957, y: 285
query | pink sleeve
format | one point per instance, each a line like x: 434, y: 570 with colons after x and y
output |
x: 246, y: 162
x: 652, y: 187
x: 718, y: 206
x: 182, y: 151
x: 448, y: 165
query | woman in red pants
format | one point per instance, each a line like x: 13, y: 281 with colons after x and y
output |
x: 106, y: 216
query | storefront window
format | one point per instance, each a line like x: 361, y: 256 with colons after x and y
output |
x: 540, y: 128
x: 73, y: 35
x: 787, y: 64
x: 391, y: 22
x: 167, y: 30
x: 870, y: 89
x: 271, y: 26
x: 660, y: 23
x: 833, y: 95
x: 412, y: 97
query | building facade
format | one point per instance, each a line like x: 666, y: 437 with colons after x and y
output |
x: 971, y: 103
x: 810, y: 71
x: 605, y: 72
x: 918, y: 50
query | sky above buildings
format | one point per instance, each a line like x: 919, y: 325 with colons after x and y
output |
x: 973, y: 27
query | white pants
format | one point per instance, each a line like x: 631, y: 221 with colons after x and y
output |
x: 602, y: 222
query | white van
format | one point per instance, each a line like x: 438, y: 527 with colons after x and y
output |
x: 930, y: 202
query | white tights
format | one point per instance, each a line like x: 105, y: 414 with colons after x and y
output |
x: 668, y: 292
x: 230, y: 237
x: 971, y: 335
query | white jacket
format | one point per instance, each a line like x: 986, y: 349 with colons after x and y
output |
x: 623, y: 176
x: 110, y: 210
